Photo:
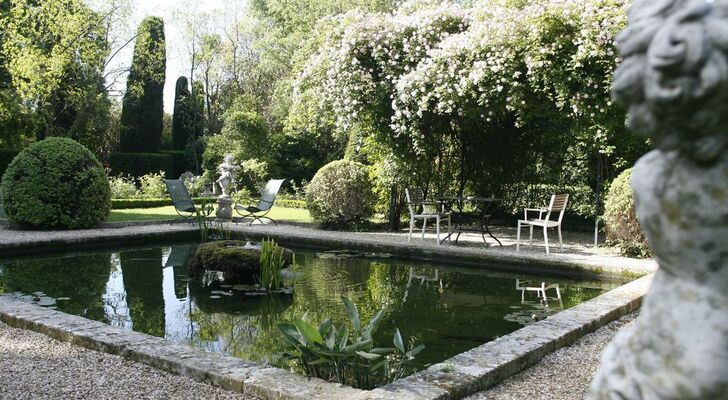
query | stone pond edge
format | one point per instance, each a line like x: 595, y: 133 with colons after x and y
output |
x: 463, y: 374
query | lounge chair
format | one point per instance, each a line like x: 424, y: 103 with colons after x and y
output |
x: 259, y: 208
x: 424, y: 210
x: 556, y: 205
x: 182, y: 201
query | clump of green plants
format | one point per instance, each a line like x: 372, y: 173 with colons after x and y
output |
x: 347, y: 353
x: 340, y: 195
x: 620, y: 218
x: 56, y: 183
x: 272, y: 262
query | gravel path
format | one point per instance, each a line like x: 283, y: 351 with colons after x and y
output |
x: 35, y: 366
x: 562, y: 375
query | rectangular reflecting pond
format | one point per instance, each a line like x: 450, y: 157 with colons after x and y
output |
x: 449, y: 309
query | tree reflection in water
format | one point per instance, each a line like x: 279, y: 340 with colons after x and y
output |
x: 448, y: 309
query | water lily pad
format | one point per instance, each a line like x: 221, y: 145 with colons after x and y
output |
x: 63, y: 298
x: 245, y: 288
x: 226, y: 286
x: 215, y: 297
x: 217, y: 292
x: 39, y: 294
x: 227, y: 294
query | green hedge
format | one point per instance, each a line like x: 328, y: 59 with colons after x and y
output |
x: 290, y: 203
x: 6, y: 156
x: 179, y: 163
x: 121, y: 204
x: 523, y: 195
x: 138, y: 164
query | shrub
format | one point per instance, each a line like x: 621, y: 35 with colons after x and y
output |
x: 620, y: 218
x: 56, y: 184
x: 152, y: 186
x: 123, y: 187
x: 340, y: 195
x: 6, y: 156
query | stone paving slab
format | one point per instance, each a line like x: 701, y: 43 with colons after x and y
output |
x: 464, y: 374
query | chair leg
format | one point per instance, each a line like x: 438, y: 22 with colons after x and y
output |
x: 546, y: 239
x: 518, y: 237
x: 424, y: 226
x: 561, y: 243
x: 530, y: 238
x: 437, y: 229
x: 449, y: 228
x: 412, y: 228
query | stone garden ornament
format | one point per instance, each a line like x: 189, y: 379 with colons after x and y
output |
x: 674, y: 79
x: 227, y: 176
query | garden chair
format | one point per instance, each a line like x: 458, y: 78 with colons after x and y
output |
x: 181, y: 200
x: 557, y: 206
x: 259, y: 208
x: 429, y: 210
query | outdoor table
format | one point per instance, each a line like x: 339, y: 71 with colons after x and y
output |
x: 485, y: 206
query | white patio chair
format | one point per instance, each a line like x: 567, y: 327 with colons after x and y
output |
x: 430, y: 210
x: 556, y: 206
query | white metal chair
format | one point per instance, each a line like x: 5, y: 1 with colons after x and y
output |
x: 523, y: 287
x: 430, y: 210
x: 557, y: 205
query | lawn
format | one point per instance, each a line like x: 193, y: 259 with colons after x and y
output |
x: 166, y: 213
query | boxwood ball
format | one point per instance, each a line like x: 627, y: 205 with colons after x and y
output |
x: 56, y: 183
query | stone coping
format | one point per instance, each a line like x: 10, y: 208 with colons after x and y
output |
x: 16, y: 243
x: 463, y: 374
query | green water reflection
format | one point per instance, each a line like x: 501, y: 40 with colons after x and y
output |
x: 448, y: 309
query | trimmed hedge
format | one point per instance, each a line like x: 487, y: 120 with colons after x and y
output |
x: 6, y: 156
x: 56, y: 183
x: 340, y: 195
x: 291, y: 203
x: 121, y: 204
x: 620, y: 218
x: 138, y: 164
x: 179, y: 163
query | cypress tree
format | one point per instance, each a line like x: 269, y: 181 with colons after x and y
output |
x: 182, y: 119
x: 143, y: 106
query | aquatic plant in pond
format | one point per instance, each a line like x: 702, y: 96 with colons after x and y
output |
x: 333, y: 353
x: 272, y: 261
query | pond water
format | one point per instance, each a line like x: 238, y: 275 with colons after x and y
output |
x: 448, y: 309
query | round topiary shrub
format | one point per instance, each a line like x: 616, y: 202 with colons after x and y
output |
x: 340, y: 195
x: 620, y: 219
x: 56, y: 183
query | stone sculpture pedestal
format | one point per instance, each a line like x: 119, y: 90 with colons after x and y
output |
x: 224, y: 211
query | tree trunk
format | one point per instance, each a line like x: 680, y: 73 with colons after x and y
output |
x: 394, y: 209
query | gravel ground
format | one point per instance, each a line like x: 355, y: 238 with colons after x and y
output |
x: 562, y: 375
x: 35, y: 366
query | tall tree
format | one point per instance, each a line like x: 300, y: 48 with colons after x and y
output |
x: 182, y: 119
x: 52, y: 56
x: 143, y: 106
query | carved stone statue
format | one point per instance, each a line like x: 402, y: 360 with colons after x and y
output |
x: 674, y: 79
x: 227, y: 171
x: 227, y: 174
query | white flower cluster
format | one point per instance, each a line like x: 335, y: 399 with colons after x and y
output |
x: 447, y: 61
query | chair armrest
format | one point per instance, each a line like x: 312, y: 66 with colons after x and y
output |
x: 539, y: 210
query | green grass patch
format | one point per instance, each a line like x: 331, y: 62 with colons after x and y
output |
x: 280, y: 214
